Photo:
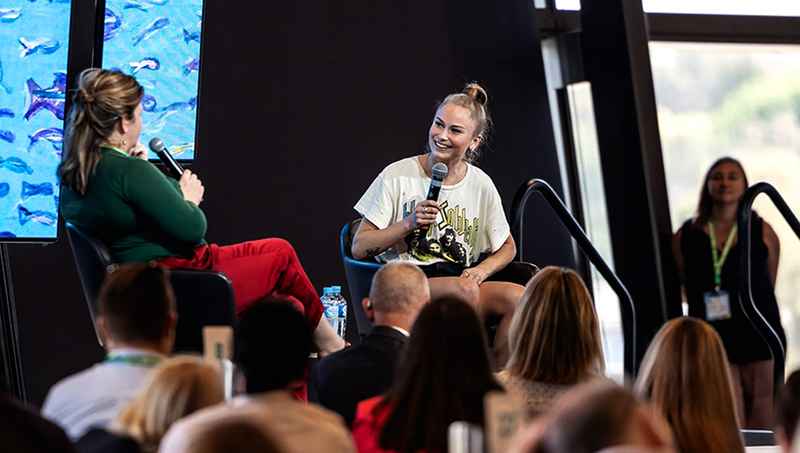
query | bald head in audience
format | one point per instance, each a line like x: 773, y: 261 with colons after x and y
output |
x: 597, y: 416
x: 398, y: 293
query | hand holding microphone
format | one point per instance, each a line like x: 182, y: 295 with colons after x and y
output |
x: 191, y: 186
x: 426, y: 211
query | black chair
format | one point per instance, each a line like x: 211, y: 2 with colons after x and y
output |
x: 204, y: 298
x: 359, y: 274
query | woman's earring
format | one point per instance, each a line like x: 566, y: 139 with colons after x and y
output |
x: 124, y: 143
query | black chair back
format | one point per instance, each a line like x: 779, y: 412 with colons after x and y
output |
x: 204, y: 297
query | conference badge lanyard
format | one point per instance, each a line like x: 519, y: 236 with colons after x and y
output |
x: 718, y: 302
x: 148, y: 361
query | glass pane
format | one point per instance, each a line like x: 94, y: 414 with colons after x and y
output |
x: 741, y: 101
x: 594, y: 206
x: 728, y: 7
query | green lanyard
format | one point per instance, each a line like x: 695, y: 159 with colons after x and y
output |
x: 718, y: 260
x: 148, y: 361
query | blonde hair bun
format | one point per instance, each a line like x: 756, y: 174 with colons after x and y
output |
x: 476, y: 92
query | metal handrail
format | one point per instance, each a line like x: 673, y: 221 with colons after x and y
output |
x: 754, y: 315
x: 626, y: 307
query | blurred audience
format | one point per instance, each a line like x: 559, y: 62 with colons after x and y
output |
x: 178, y: 387
x: 235, y: 436
x: 272, y: 344
x: 443, y: 379
x: 788, y: 414
x: 597, y: 416
x: 399, y: 291
x: 685, y: 376
x: 554, y: 340
x: 137, y: 320
x: 22, y: 430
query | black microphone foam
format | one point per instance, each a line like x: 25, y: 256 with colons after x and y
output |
x: 174, y: 168
x: 438, y: 172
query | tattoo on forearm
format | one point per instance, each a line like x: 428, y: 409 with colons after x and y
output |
x: 373, y: 251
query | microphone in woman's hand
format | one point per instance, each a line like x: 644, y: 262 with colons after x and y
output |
x: 157, y: 146
x: 438, y: 172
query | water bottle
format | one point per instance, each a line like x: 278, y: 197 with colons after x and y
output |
x: 335, y: 308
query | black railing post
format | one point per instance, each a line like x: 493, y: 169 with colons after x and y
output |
x: 626, y: 307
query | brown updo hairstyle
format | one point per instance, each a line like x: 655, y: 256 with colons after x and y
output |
x: 102, y: 99
x: 473, y: 98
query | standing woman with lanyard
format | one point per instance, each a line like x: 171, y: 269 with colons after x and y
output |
x: 706, y: 253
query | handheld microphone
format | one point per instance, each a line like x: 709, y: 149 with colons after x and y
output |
x: 174, y: 168
x: 438, y: 173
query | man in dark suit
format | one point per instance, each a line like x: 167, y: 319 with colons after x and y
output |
x: 399, y: 291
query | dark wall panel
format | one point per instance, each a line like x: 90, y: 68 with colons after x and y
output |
x: 302, y: 103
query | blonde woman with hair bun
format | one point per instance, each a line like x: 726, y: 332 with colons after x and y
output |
x: 468, y: 238
x: 178, y: 387
x: 554, y: 340
x: 684, y: 375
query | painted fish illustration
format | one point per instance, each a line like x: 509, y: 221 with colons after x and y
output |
x: 190, y: 36
x: 149, y: 103
x: 5, y: 188
x: 44, y: 45
x: 51, y: 98
x: 53, y: 135
x: 180, y: 149
x: 148, y: 31
x: 7, y: 234
x: 30, y: 190
x: 193, y: 65
x: 16, y: 165
x: 150, y: 63
x: 111, y: 24
x: 43, y: 217
x: 176, y: 107
x: 8, y: 15
x: 7, y: 113
x: 134, y: 4
x: 2, y: 85
x: 7, y: 136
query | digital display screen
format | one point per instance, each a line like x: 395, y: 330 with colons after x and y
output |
x: 34, y: 38
x: 158, y: 42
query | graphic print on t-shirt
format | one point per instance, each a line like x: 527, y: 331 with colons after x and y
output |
x: 452, y: 237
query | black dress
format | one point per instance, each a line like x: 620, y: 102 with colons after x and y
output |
x: 742, y: 341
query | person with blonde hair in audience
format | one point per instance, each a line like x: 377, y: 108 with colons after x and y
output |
x: 685, y: 376
x: 597, y: 416
x: 444, y: 378
x: 554, y: 339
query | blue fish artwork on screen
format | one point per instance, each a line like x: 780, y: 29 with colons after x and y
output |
x: 31, y: 190
x: 158, y: 42
x: 43, y: 45
x: 150, y: 30
x: 53, y: 135
x: 34, y: 45
x: 51, y: 99
x: 8, y: 15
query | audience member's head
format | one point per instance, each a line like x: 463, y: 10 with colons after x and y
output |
x: 443, y: 379
x: 684, y: 375
x: 272, y: 344
x: 399, y: 291
x: 178, y: 387
x: 554, y: 336
x: 788, y: 413
x: 234, y: 436
x: 137, y: 308
x: 595, y: 416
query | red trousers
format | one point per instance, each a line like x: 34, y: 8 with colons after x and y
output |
x: 258, y: 269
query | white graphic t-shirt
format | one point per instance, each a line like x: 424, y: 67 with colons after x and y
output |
x: 471, y: 220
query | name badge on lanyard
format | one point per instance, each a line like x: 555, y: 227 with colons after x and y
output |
x: 718, y: 302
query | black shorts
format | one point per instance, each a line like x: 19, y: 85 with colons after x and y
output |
x: 443, y: 269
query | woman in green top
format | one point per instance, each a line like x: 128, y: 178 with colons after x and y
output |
x: 111, y: 191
